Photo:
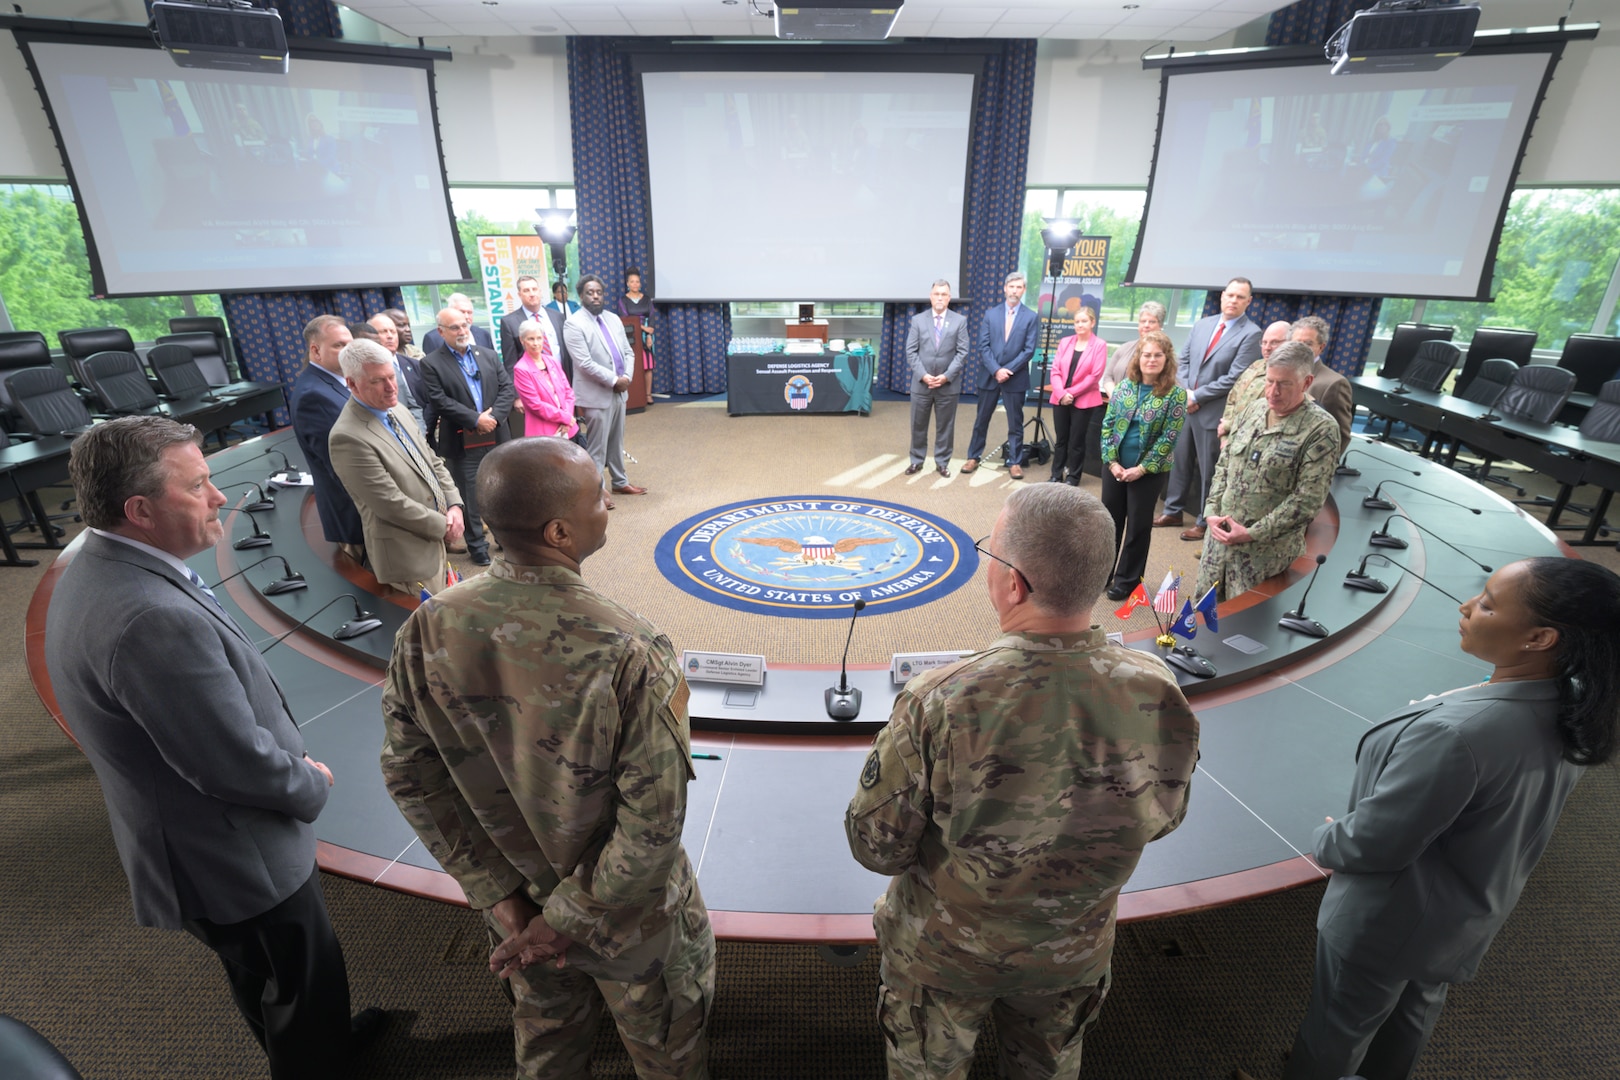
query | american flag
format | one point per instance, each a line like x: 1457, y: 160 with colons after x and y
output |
x: 1164, y: 601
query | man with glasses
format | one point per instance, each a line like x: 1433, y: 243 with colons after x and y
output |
x: 470, y: 395
x: 1011, y: 795
x: 463, y: 303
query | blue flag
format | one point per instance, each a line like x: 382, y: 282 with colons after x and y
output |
x: 1186, y: 623
x: 1206, y: 606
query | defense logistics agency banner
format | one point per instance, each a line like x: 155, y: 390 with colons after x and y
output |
x: 501, y: 261
x: 1080, y: 285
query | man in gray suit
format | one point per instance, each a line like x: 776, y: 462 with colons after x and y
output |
x: 1218, y: 350
x: 208, y: 789
x: 595, y: 338
x: 936, y: 348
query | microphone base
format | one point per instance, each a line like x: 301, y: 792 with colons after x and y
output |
x: 1377, y: 504
x: 285, y: 585
x: 260, y: 507
x: 1345, y: 470
x: 1364, y: 582
x: 1401, y: 390
x: 1384, y: 540
x: 1188, y: 659
x: 843, y: 704
x: 1299, y: 624
x: 355, y: 627
x: 251, y: 542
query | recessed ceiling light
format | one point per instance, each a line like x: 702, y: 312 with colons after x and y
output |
x: 1132, y: 7
x: 544, y: 29
x: 729, y: 3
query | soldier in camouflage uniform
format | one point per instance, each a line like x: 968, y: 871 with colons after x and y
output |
x: 1271, y: 481
x: 536, y: 739
x: 1012, y: 794
x: 1252, y: 383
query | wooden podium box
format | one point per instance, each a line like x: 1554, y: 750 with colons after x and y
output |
x: 814, y: 330
x: 640, y: 368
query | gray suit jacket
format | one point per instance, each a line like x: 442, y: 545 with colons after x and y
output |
x: 593, y: 360
x: 1453, y: 802
x: 200, y: 762
x: 946, y: 358
x: 1210, y: 378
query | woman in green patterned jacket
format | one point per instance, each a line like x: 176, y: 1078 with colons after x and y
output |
x: 1144, y: 418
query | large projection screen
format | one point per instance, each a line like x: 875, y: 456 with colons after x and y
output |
x: 1304, y: 182
x: 217, y: 181
x: 806, y: 185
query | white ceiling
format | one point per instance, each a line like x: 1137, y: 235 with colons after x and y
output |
x: 1130, y: 20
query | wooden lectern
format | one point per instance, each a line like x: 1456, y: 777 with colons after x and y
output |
x: 640, y: 366
x: 814, y: 330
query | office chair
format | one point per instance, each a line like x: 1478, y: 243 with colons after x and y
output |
x: 79, y: 344
x: 225, y: 348
x: 1494, y: 342
x: 1431, y: 365
x: 25, y: 1054
x: 1536, y: 394
x: 118, y: 380
x: 45, y: 402
x: 206, y: 353
x: 27, y: 350
x: 1602, y: 423
x: 7, y: 336
x: 1594, y: 359
x: 1403, y: 346
x: 1494, y: 376
x: 176, y: 370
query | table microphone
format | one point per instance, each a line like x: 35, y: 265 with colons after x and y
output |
x: 1381, y: 538
x: 1376, y: 502
x: 1345, y: 470
x: 844, y: 701
x: 261, y: 504
x: 363, y: 622
x: 259, y: 537
x: 1359, y: 579
x: 290, y: 582
x: 294, y: 477
x: 1295, y: 620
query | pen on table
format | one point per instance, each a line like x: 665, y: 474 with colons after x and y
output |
x: 707, y: 757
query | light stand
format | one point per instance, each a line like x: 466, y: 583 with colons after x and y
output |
x: 1058, y: 237
x: 557, y: 231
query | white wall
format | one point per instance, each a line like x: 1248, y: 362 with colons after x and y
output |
x: 1095, y: 115
x: 503, y: 110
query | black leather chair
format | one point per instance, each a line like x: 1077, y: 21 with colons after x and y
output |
x: 25, y: 1054
x: 1602, y: 423
x: 118, y: 381
x: 1494, y: 376
x: 79, y: 345
x: 45, y: 402
x: 176, y: 370
x: 1494, y: 342
x: 8, y: 336
x: 1403, y: 346
x: 206, y: 353
x: 1594, y: 359
x: 23, y: 351
x: 1431, y: 365
x: 225, y: 348
x: 1537, y: 393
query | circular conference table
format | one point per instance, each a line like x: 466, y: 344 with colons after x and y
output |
x: 764, y: 826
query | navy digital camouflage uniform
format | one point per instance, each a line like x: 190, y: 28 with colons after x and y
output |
x: 1274, y: 479
x: 1011, y: 794
x: 537, y: 739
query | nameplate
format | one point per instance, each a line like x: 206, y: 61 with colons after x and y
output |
x: 723, y: 667
x: 903, y: 667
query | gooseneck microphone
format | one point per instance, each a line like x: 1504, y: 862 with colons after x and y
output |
x: 1381, y: 538
x: 294, y: 477
x: 261, y: 504
x: 291, y: 581
x: 1359, y: 579
x: 1295, y: 620
x: 1376, y: 501
x: 363, y: 622
x: 258, y: 538
x: 844, y: 701
x: 1345, y: 470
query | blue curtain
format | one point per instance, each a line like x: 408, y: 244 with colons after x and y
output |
x: 309, y: 18
x: 1310, y: 22
x: 995, y: 200
x: 610, y: 188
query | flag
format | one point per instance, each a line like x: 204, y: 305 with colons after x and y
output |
x: 1186, y: 623
x: 1138, y: 598
x: 1206, y: 607
x: 1164, y: 601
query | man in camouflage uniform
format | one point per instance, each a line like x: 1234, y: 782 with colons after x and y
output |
x: 1271, y: 481
x: 1012, y: 794
x: 536, y: 739
x: 1252, y: 383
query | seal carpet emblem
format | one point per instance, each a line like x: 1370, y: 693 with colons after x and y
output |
x: 812, y: 557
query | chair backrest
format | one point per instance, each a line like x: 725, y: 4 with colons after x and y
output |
x: 1494, y: 342
x: 1537, y: 393
x: 1494, y: 376
x: 1593, y: 358
x: 209, y: 324
x: 175, y: 369
x: 1430, y: 366
x: 79, y: 344
x: 1403, y: 345
x: 1602, y: 420
x: 20, y: 353
x: 119, y: 381
x: 205, y: 353
x: 45, y: 401
x: 24, y: 335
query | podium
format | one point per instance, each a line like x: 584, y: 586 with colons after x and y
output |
x: 641, y: 367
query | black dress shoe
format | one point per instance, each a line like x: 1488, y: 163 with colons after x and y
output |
x: 480, y: 557
x: 943, y: 470
x: 1054, y: 479
x: 364, y: 1027
x: 914, y: 468
x: 1120, y: 592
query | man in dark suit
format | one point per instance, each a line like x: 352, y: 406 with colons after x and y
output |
x: 208, y: 789
x: 409, y: 370
x: 531, y: 296
x: 318, y: 395
x: 433, y: 339
x: 1218, y: 350
x: 936, y: 349
x: 1006, y: 346
x: 471, y: 395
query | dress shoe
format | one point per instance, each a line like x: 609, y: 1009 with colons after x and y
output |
x: 1073, y: 481
x: 364, y: 1027
x: 1054, y: 479
x: 1194, y: 533
x: 479, y: 556
x: 914, y: 468
x: 1120, y: 592
x: 628, y: 489
x: 1015, y: 471
x: 944, y: 470
x: 1168, y: 521
x: 969, y: 465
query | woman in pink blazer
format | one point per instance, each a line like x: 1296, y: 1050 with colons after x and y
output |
x: 1077, y: 403
x: 542, y: 387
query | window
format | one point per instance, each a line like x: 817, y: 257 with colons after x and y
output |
x: 1115, y: 213
x: 45, y: 272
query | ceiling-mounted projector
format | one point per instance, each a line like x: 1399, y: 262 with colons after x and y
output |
x: 1403, y: 35
x: 835, y: 20
x: 230, y: 34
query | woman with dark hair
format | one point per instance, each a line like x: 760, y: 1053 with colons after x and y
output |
x: 1453, y: 802
x: 1145, y: 415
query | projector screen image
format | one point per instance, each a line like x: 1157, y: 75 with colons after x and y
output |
x: 1385, y: 185
x: 203, y: 181
x: 806, y: 185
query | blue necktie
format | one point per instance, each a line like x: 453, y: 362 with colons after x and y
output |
x: 197, y: 581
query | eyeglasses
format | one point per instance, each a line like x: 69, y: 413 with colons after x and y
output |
x: 978, y: 545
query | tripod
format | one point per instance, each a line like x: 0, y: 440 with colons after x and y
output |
x: 1037, y: 439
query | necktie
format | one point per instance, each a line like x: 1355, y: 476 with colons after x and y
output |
x: 938, y: 321
x: 1216, y: 340
x: 197, y: 581
x: 410, y: 452
x: 618, y: 357
x: 1006, y: 331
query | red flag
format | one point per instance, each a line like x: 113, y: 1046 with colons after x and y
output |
x: 1138, y: 598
